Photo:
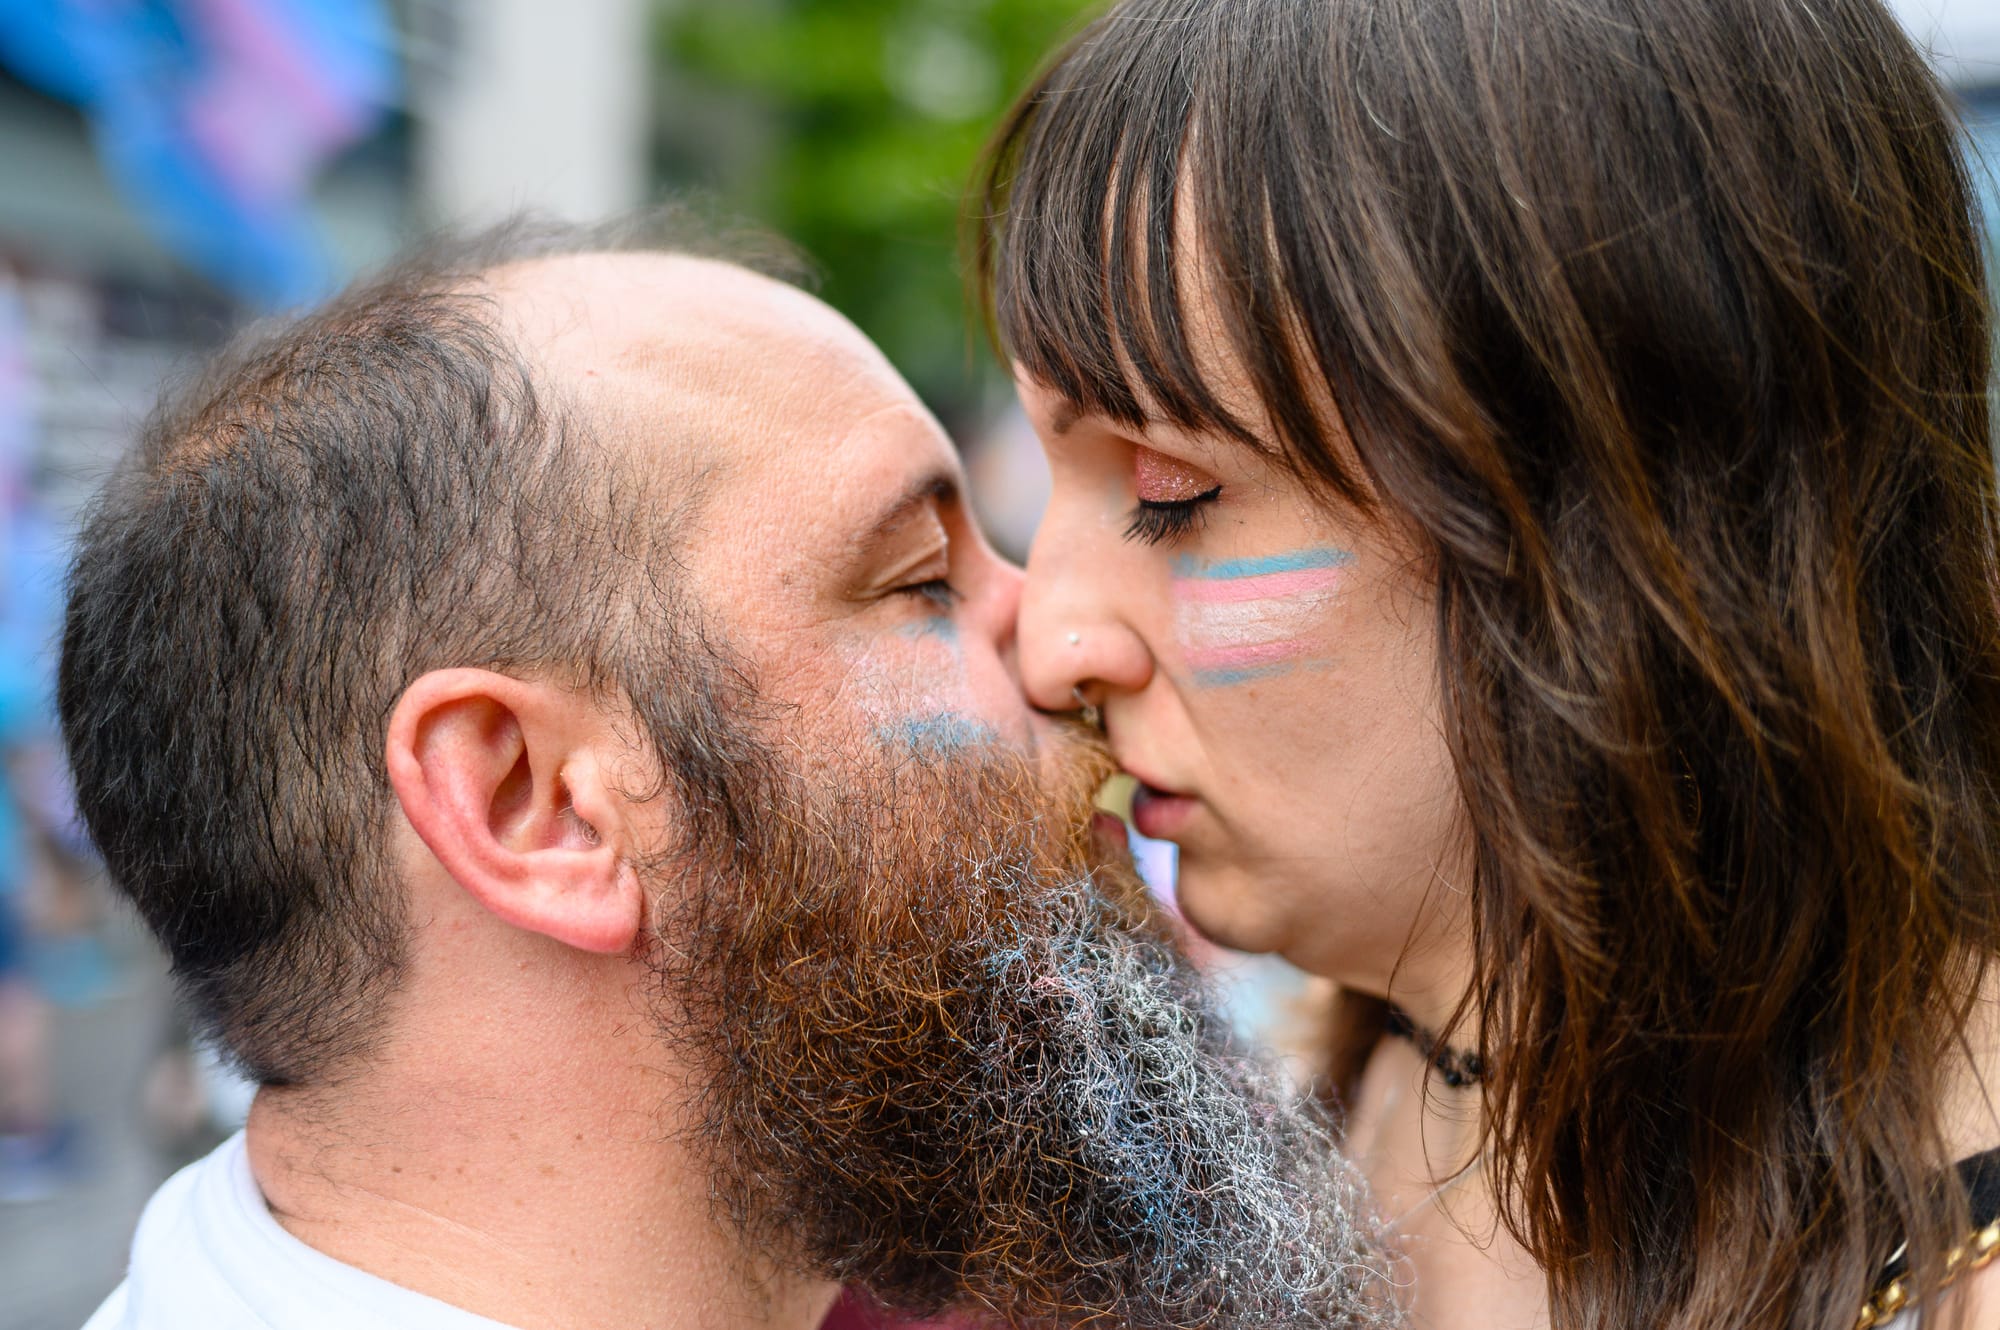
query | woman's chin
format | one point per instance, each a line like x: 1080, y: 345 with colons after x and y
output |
x: 1226, y: 909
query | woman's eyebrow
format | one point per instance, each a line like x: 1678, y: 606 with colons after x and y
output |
x: 1067, y: 414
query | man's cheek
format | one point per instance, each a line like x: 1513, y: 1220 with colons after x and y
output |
x: 993, y: 692
x: 911, y: 688
x: 950, y: 677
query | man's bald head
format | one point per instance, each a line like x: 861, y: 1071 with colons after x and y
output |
x: 428, y: 471
x: 688, y: 323
x: 678, y: 358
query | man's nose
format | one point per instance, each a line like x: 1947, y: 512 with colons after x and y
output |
x: 1075, y: 639
x: 1005, y: 609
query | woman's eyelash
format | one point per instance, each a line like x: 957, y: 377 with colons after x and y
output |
x: 1156, y: 521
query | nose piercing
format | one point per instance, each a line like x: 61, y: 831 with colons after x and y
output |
x: 1076, y: 639
x: 1087, y: 710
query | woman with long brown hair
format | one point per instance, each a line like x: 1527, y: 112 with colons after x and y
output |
x: 1524, y: 511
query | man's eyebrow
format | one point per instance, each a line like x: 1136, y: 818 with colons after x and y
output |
x: 939, y: 487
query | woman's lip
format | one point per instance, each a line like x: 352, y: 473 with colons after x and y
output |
x: 1160, y: 814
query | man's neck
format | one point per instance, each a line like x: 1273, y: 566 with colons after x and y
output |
x: 551, y: 1204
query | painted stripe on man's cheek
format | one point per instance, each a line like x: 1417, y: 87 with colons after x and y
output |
x: 941, y: 733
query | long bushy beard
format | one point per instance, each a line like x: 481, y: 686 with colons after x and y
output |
x: 954, y: 1055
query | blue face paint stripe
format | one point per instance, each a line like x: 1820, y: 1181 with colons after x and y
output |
x: 1222, y: 678
x: 1325, y: 556
x: 935, y: 733
x: 931, y: 626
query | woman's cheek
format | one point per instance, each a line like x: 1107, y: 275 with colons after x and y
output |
x: 1241, y: 621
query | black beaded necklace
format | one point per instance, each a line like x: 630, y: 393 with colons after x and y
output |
x: 1458, y: 1067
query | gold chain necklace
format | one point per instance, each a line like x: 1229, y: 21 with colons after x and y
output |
x: 1974, y: 1253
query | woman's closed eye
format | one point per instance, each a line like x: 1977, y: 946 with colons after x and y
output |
x: 1173, y: 497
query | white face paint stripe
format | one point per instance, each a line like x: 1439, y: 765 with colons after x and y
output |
x: 1208, y: 625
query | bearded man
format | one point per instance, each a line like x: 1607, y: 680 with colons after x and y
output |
x: 558, y: 714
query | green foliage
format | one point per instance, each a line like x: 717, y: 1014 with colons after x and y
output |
x: 852, y: 127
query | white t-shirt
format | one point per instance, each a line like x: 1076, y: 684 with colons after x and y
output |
x: 209, y: 1256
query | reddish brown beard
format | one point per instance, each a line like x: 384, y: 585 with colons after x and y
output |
x: 953, y: 1054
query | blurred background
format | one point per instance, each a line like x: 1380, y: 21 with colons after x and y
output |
x: 172, y: 168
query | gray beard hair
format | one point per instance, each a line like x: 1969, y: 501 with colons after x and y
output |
x: 955, y: 1056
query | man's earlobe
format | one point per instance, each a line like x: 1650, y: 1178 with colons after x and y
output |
x: 499, y: 778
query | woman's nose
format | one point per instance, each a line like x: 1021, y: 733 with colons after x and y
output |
x: 1075, y: 636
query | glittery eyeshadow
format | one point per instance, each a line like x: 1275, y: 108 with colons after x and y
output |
x: 1161, y: 479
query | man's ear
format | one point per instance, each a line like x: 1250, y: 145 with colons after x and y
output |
x: 499, y: 778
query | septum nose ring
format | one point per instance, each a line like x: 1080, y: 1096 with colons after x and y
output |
x: 1087, y: 710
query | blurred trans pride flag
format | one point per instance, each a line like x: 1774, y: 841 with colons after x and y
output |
x: 213, y: 116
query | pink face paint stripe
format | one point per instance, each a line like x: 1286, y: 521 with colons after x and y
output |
x: 1236, y: 658
x: 1228, y: 591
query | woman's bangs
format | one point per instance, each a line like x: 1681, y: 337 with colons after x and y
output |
x: 1078, y: 251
